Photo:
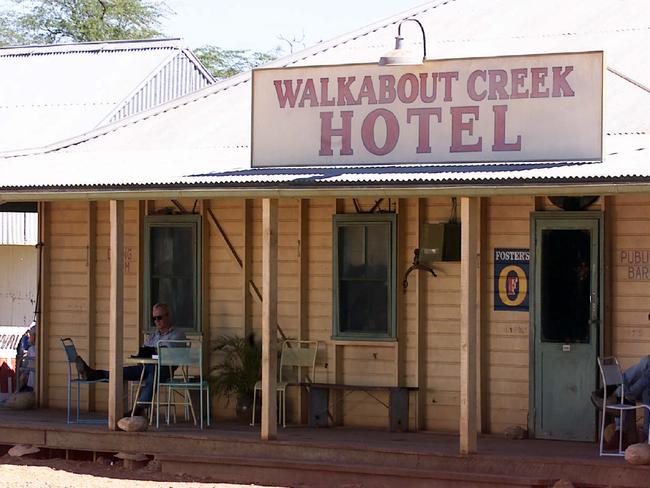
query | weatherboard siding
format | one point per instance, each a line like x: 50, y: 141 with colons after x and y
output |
x: 506, y: 333
x: 132, y: 336
x: 67, y: 315
x: 67, y: 301
x: 630, y: 307
x: 504, y: 337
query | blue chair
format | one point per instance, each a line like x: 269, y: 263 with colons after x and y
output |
x: 74, y: 379
x: 183, y: 358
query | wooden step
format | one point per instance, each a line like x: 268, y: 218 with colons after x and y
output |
x: 318, y: 474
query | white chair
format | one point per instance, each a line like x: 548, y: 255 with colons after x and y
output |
x: 610, y: 372
x: 297, y: 364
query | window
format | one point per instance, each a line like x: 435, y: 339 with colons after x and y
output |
x: 172, y: 271
x: 364, y: 276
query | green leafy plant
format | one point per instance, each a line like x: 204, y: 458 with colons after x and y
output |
x: 240, y: 368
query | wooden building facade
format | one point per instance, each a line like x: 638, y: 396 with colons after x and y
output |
x: 427, y: 349
x: 268, y: 246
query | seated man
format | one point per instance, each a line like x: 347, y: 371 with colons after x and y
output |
x: 164, y: 331
x: 637, y: 388
x: 27, y: 379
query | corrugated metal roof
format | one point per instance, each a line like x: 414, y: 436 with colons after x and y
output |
x: 49, y: 93
x: 627, y: 161
x: 202, y: 139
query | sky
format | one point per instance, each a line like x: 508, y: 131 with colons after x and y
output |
x: 257, y: 24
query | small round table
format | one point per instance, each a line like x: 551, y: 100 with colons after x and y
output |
x: 133, y: 361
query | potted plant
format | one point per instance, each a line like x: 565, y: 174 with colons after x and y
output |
x: 236, y: 375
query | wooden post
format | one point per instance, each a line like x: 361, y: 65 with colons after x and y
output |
x: 606, y: 328
x: 303, y: 293
x: 247, y: 267
x: 205, y: 284
x: 468, y: 323
x: 483, y: 333
x: 269, y: 317
x: 42, y: 331
x: 400, y: 350
x: 142, y: 318
x: 116, y: 314
x: 421, y: 324
x: 336, y: 398
x: 91, y: 266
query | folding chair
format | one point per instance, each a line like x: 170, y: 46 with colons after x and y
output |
x: 181, y: 356
x: 610, y: 372
x: 295, y: 357
x: 74, y: 379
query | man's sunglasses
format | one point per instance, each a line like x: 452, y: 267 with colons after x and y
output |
x: 158, y: 317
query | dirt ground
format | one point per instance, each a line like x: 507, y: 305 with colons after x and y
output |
x: 31, y: 472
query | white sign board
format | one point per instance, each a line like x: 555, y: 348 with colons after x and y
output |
x: 516, y: 108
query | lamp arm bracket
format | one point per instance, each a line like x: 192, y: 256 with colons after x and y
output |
x: 421, y: 267
x: 424, y: 36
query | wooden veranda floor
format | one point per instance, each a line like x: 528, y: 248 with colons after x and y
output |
x: 335, y: 456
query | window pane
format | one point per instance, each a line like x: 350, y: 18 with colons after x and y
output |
x: 363, y: 307
x: 377, y: 251
x: 565, y: 286
x: 351, y: 250
x: 172, y: 279
x: 364, y: 275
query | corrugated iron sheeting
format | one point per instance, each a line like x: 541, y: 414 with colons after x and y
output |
x: 52, y: 93
x: 208, y: 133
x: 176, y: 79
x: 18, y: 228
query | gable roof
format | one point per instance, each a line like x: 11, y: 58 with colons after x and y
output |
x: 52, y: 92
x: 202, y: 141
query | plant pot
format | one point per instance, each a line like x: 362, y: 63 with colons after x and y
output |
x: 244, y: 410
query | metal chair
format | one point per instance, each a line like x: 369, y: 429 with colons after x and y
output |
x: 295, y: 356
x: 181, y: 357
x: 610, y: 372
x: 75, y: 379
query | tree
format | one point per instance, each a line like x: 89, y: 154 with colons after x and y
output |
x: 54, y: 21
x: 223, y: 63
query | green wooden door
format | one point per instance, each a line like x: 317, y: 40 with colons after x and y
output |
x: 566, y: 323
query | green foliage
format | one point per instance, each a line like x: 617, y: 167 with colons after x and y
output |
x: 240, y: 368
x: 223, y: 63
x: 54, y: 21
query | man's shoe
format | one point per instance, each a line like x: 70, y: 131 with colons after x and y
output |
x: 597, y: 398
x: 86, y: 373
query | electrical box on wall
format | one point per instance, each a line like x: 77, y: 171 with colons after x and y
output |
x: 443, y: 238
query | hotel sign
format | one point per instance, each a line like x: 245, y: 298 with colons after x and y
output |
x: 517, y: 108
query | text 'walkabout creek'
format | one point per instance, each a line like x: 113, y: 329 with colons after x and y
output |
x: 503, y: 109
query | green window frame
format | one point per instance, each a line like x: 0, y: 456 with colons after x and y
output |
x: 172, y: 270
x: 364, y: 277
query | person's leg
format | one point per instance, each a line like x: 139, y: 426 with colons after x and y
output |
x: 132, y: 373
x: 637, y: 379
x: 146, y: 393
x: 88, y: 373
x: 645, y: 399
